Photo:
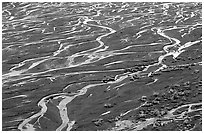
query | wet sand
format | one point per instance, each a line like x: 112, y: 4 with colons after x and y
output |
x: 102, y: 66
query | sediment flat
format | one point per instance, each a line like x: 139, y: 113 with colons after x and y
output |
x: 102, y: 66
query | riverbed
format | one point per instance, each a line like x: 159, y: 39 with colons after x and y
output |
x: 98, y: 65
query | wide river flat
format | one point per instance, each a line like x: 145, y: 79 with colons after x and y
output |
x: 101, y: 66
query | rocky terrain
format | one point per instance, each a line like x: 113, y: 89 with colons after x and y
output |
x: 102, y: 66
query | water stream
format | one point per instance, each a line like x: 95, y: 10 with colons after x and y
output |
x: 65, y: 46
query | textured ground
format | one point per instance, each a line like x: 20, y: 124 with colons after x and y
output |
x: 102, y: 66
